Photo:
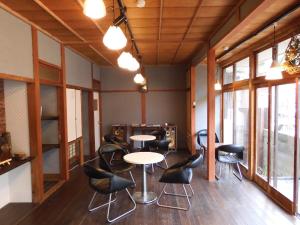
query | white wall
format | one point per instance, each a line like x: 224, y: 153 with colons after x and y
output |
x: 15, y: 186
x: 49, y: 49
x: 78, y: 70
x: 96, y: 72
x: 15, y: 46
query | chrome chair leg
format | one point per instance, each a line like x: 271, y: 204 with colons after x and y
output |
x: 130, y: 173
x: 220, y: 165
x: 112, y: 158
x: 240, y: 175
x: 122, y: 215
x: 100, y: 206
x: 174, y: 207
x: 181, y: 195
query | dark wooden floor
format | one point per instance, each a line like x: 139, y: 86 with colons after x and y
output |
x: 225, y: 202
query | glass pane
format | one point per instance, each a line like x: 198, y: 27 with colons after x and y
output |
x: 264, y: 60
x: 242, y: 69
x: 281, y: 50
x: 262, y: 132
x: 282, y: 138
x: 228, y: 75
x: 241, y: 125
x: 48, y: 72
x: 228, y: 117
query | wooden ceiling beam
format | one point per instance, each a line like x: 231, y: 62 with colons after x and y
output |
x: 188, y: 29
x: 49, y: 11
x: 159, y: 29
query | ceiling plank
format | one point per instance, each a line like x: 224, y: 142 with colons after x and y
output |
x: 43, y: 6
x: 159, y: 29
x: 188, y: 28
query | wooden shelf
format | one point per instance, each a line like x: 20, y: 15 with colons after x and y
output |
x: 49, y: 147
x: 49, y: 117
x: 14, y: 164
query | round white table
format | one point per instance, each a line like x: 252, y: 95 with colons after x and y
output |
x: 143, y: 158
x: 142, y: 138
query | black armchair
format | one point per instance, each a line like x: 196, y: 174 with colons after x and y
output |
x: 232, y: 155
x: 104, y: 182
x: 180, y: 173
x: 160, y: 144
x: 105, y: 153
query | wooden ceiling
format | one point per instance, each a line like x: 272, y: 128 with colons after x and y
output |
x: 166, y: 31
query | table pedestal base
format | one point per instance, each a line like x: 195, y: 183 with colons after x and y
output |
x: 144, y: 198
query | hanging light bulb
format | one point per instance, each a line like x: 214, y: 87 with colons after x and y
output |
x: 139, y: 79
x: 133, y: 65
x: 94, y: 9
x: 124, y: 60
x: 114, y: 38
x: 275, y: 72
x: 218, y: 86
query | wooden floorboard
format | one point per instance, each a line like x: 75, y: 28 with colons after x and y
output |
x: 224, y: 202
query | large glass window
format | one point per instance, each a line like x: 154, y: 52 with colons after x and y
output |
x: 264, y: 61
x: 228, y: 117
x: 262, y: 106
x: 228, y: 75
x: 241, y: 125
x: 242, y: 69
x: 282, y: 138
x: 281, y: 50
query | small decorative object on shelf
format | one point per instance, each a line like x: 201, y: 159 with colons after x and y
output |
x: 292, y: 56
x: 5, y: 148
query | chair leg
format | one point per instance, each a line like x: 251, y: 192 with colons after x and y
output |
x: 97, y: 207
x: 122, y: 215
x: 239, y: 176
x: 174, y: 207
x: 220, y: 165
x: 112, y: 158
x: 130, y: 173
x: 181, y: 195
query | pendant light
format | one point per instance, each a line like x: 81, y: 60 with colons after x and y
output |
x: 124, y: 60
x: 134, y: 65
x: 94, y: 9
x: 139, y: 79
x: 114, y: 38
x: 218, y: 86
x: 275, y: 72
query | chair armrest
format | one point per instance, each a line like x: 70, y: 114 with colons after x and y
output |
x: 176, y: 175
x: 96, y: 173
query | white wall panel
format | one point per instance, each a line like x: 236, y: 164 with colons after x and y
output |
x: 78, y: 70
x: 4, y: 190
x: 49, y: 49
x: 78, y: 110
x: 96, y: 72
x: 15, y: 46
x: 71, y: 114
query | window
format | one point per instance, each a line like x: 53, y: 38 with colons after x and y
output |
x: 282, y: 138
x: 264, y: 61
x: 242, y: 70
x: 228, y: 117
x: 281, y: 50
x: 262, y: 106
x: 228, y: 75
x: 241, y: 118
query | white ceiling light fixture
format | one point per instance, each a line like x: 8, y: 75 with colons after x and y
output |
x: 124, y: 60
x: 140, y: 3
x: 134, y: 65
x: 275, y: 71
x: 139, y: 79
x: 114, y: 38
x: 218, y: 86
x: 94, y: 9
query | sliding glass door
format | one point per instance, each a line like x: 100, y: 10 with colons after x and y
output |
x: 275, y: 138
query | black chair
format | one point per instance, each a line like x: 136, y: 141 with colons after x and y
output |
x: 160, y: 144
x: 180, y: 173
x: 105, y: 153
x: 103, y: 182
x: 232, y: 155
x: 202, y: 140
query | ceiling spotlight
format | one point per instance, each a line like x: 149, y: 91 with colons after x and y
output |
x: 134, y: 65
x: 141, y: 3
x: 114, y: 38
x: 139, y: 79
x: 94, y: 9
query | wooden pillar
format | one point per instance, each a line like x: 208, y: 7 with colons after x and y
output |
x: 211, y: 66
x: 193, y: 109
x: 63, y: 115
x: 35, y: 130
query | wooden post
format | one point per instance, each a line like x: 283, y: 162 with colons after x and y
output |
x: 35, y: 130
x: 211, y: 66
x: 193, y: 109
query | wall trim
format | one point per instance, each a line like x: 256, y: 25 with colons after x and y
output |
x: 16, y: 78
